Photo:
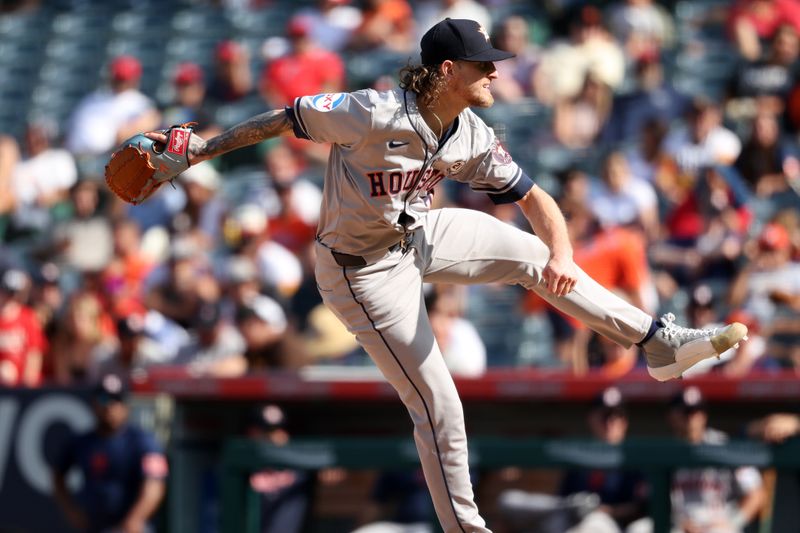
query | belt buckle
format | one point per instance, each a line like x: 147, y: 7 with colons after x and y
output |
x: 405, y: 242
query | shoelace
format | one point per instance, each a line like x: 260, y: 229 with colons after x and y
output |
x: 672, y: 330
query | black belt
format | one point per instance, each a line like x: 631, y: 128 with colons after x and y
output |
x: 347, y: 260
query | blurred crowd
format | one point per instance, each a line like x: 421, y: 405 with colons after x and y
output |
x: 682, y: 197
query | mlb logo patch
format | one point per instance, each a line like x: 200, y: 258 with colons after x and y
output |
x: 178, y: 141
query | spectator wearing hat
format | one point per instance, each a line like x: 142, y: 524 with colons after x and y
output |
x: 270, y: 341
x: 232, y: 80
x: 709, y: 500
x: 622, y: 493
x: 285, y: 495
x: 216, y: 347
x: 179, y: 288
x: 129, y: 357
x: 591, y: 501
x: 241, y: 283
x: 189, y: 101
x: 22, y: 344
x: 305, y: 69
x: 768, y: 288
x: 123, y: 467
x: 111, y: 114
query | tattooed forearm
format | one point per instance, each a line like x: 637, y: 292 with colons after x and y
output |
x: 251, y: 131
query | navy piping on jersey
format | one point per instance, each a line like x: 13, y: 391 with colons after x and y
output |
x: 298, y: 127
x: 424, y: 145
x: 514, y: 192
x: 416, y: 389
x: 449, y: 133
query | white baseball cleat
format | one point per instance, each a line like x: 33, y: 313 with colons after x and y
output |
x: 674, y: 349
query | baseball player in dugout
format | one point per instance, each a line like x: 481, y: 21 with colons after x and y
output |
x: 378, y: 239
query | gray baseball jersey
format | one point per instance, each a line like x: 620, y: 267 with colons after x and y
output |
x: 383, y: 166
x: 385, y: 161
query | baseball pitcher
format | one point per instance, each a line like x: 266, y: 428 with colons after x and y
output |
x: 379, y: 239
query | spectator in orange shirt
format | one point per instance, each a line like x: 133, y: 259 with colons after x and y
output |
x: 614, y: 257
x: 22, y: 344
x: 123, y: 278
x: 387, y: 24
x: 306, y: 69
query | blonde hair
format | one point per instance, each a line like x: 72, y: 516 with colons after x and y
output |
x: 426, y: 81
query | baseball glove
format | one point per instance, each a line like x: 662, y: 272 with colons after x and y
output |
x: 141, y: 165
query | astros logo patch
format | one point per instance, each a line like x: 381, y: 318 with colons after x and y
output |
x: 456, y: 167
x: 327, y: 102
x: 500, y: 155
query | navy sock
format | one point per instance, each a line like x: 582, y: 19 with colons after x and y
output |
x: 654, y: 326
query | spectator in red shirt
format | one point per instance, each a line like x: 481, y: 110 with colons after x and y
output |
x: 232, y: 79
x: 294, y: 214
x: 22, y: 344
x: 306, y: 69
x: 751, y: 22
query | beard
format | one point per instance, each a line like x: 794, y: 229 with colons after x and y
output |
x: 480, y: 97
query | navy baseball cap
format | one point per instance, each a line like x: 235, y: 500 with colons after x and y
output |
x: 459, y: 39
x: 610, y: 401
x: 689, y: 400
x: 110, y: 388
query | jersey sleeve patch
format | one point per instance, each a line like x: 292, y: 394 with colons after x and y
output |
x: 500, y: 155
x: 340, y: 118
x: 327, y: 102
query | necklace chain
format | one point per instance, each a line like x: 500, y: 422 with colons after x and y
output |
x: 441, y: 126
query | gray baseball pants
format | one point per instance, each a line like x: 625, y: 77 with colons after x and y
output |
x: 382, y: 304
